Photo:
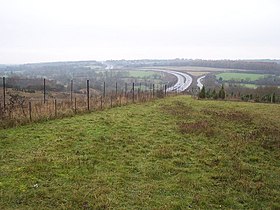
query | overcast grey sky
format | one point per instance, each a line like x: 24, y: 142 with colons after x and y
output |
x: 59, y: 30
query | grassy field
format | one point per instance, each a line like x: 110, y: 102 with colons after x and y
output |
x: 141, y: 73
x: 173, y: 153
x: 240, y: 76
x: 252, y: 86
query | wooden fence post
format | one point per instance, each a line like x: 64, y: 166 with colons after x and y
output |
x: 30, y: 111
x: 55, y: 108
x: 125, y: 89
x: 4, y: 92
x: 116, y: 97
x: 153, y: 90
x: 133, y: 92
x: 138, y: 91
x: 104, y: 89
x: 71, y: 92
x: 125, y: 92
x: 121, y: 98
x: 44, y: 90
x: 88, y: 95
x: 116, y: 89
x: 75, y: 105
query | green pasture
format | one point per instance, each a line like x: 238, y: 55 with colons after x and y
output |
x: 171, y: 153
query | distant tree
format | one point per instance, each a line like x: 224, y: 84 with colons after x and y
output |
x: 266, y: 98
x: 214, y: 94
x: 222, y: 93
x: 257, y: 98
x: 208, y: 94
x: 202, y: 92
x: 273, y: 98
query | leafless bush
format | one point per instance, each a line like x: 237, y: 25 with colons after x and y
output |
x: 15, y: 102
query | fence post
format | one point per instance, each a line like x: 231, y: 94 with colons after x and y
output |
x: 44, y: 90
x: 153, y: 90
x: 125, y: 92
x: 139, y: 89
x: 116, y: 89
x: 121, y: 98
x: 111, y: 101
x: 104, y: 89
x: 126, y: 95
x: 125, y: 89
x: 88, y: 95
x: 75, y: 105
x: 165, y: 88
x: 116, y: 97
x: 71, y: 92
x: 4, y: 91
x: 30, y: 111
x: 150, y: 88
x: 133, y: 92
x: 55, y: 110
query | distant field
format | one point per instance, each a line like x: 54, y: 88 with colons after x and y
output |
x: 250, y: 86
x: 253, y: 86
x: 172, y: 153
x: 196, y: 73
x: 141, y: 74
x: 240, y: 76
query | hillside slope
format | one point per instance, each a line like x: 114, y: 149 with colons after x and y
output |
x: 173, y: 153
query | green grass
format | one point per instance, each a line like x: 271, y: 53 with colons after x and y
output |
x: 240, y: 76
x: 253, y: 86
x: 142, y: 73
x: 174, y: 153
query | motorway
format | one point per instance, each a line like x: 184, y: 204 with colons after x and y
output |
x: 183, y: 80
x: 199, y: 84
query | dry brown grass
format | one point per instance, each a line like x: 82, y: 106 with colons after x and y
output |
x: 178, y: 109
x: 200, y: 127
x: 19, y: 114
x: 229, y: 115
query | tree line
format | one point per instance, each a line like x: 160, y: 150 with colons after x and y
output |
x: 262, y: 66
x: 262, y: 94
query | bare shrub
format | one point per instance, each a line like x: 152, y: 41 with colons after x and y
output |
x: 16, y: 102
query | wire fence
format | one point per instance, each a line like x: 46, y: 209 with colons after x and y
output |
x: 29, y: 102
